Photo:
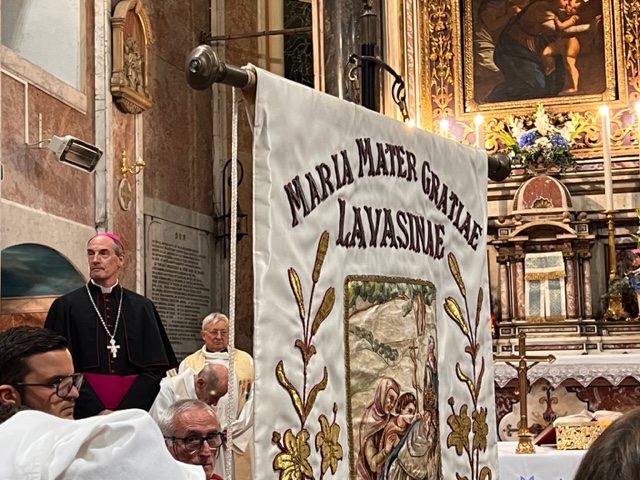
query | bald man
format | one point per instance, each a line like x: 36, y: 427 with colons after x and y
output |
x: 208, y: 385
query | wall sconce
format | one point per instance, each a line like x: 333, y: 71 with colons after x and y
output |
x: 224, y: 220
x: 132, y: 169
x: 74, y: 152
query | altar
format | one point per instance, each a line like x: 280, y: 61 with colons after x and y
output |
x: 569, y: 385
x: 548, y: 463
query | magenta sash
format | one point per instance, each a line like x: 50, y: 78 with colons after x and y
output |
x: 110, y: 389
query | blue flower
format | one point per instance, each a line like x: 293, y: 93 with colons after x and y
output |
x: 558, y: 141
x: 527, y: 138
x: 634, y: 281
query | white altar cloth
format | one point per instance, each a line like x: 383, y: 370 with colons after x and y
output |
x: 548, y: 463
x: 582, y: 368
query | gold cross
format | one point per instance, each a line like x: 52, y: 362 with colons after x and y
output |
x: 525, y: 444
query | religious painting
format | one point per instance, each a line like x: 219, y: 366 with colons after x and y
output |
x: 529, y: 51
x: 392, y: 378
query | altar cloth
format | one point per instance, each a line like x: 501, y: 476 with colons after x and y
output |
x: 548, y: 463
x: 582, y: 368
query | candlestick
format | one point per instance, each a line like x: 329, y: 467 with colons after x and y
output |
x: 606, y: 154
x: 638, y: 129
x: 479, y: 131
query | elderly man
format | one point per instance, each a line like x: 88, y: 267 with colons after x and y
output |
x: 36, y: 371
x: 215, y: 333
x: 192, y: 434
x: 208, y: 385
x: 115, y: 336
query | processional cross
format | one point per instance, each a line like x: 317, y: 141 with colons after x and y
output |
x: 525, y: 444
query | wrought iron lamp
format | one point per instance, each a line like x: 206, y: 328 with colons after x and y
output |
x: 224, y: 220
x: 368, y: 63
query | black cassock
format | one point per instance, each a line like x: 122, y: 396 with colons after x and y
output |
x: 132, y: 377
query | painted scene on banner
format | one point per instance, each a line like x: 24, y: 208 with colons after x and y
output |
x: 392, y: 378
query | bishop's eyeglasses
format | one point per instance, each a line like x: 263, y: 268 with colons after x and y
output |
x: 194, y: 442
x: 63, y: 385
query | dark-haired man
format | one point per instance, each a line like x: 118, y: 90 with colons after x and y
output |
x: 36, y: 371
x: 115, y: 336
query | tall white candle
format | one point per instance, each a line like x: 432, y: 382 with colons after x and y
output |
x: 638, y: 129
x: 606, y: 156
x: 479, y: 131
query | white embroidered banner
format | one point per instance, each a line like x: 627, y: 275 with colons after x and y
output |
x: 372, y: 343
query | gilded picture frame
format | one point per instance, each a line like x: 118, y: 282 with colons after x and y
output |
x: 521, y: 52
x: 448, y: 91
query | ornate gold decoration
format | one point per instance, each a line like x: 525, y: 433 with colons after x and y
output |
x: 134, y: 169
x: 446, y: 67
x: 525, y: 437
x: 631, y: 11
x: 542, y: 203
x: 131, y: 35
x: 460, y: 422
x: 292, y: 461
x: 579, y: 435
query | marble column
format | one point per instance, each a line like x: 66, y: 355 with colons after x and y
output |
x: 504, y: 292
x: 586, y: 270
x: 340, y: 40
x: 570, y: 286
x: 520, y: 288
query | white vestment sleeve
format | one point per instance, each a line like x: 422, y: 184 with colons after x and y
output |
x: 164, y: 399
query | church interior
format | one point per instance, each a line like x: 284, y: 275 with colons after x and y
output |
x: 112, y: 77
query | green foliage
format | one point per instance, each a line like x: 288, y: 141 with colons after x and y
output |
x: 387, y: 352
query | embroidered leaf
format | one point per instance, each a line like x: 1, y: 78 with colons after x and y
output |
x: 296, y: 288
x: 323, y: 244
x: 306, y: 353
x: 462, y: 377
x: 317, y: 388
x: 480, y: 376
x: 455, y: 271
x: 325, y: 309
x: 460, y: 427
x: 485, y: 473
x: 460, y: 477
x: 453, y: 310
x: 293, y: 393
x: 479, y: 305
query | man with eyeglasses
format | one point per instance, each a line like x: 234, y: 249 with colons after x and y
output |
x: 192, y: 434
x: 215, y: 333
x: 36, y: 371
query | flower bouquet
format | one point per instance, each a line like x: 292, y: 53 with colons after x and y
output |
x: 541, y: 141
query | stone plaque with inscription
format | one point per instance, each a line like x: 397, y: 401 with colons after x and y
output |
x: 178, y: 274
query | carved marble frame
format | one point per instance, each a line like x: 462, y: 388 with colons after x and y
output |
x: 445, y: 67
x: 128, y: 16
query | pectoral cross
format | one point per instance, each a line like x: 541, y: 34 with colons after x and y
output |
x: 113, y: 347
x: 525, y: 445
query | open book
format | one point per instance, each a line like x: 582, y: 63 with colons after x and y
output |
x: 548, y: 435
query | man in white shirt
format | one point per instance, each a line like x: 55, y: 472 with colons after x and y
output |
x: 208, y: 385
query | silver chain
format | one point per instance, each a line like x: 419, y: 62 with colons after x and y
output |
x: 113, y: 337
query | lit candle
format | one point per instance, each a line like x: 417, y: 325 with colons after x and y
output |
x: 606, y: 156
x: 479, y: 131
x: 638, y: 130
x: 444, y: 127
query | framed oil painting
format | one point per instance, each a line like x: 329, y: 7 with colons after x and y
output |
x: 521, y: 52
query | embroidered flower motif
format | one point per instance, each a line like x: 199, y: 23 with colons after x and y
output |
x: 480, y: 429
x: 460, y: 428
x: 327, y: 443
x: 292, y: 462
